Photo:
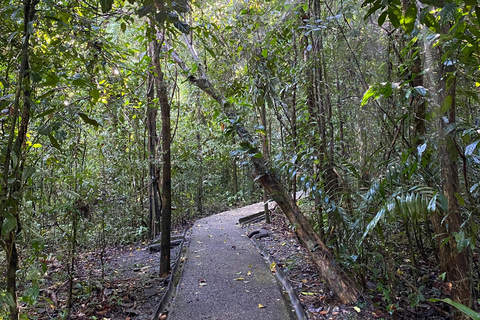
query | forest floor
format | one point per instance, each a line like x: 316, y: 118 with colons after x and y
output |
x: 126, y: 285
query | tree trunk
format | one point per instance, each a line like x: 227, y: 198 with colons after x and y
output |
x: 162, y: 96
x: 153, y: 196
x: 447, y: 224
x: 336, y: 278
x: 11, y: 193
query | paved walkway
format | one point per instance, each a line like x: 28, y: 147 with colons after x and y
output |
x: 224, y: 277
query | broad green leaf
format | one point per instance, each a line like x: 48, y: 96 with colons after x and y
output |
x: 50, y: 80
x: 9, y: 223
x: 394, y: 15
x: 370, y: 93
x: 264, y: 53
x: 54, y: 142
x: 429, y: 20
x: 377, y: 5
x: 466, y: 310
x: 477, y: 13
x: 106, y: 5
x: 382, y: 17
x: 88, y: 120
x: 95, y: 93
x: 373, y: 224
x: 410, y: 18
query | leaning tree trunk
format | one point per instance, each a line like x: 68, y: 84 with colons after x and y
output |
x: 336, y: 278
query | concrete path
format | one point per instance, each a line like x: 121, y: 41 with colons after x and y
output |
x: 224, y: 277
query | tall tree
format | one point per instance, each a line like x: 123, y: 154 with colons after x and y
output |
x: 14, y: 163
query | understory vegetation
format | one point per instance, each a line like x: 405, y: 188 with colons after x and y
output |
x: 370, y: 108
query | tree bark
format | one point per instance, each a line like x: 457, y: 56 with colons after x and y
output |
x: 11, y: 193
x: 447, y: 224
x: 162, y: 96
x: 153, y: 196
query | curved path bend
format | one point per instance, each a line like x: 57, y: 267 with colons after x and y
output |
x: 224, y: 277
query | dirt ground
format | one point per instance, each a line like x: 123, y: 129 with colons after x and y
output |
x: 129, y: 288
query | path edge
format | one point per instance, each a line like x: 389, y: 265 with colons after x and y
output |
x: 172, y: 278
x: 282, y: 279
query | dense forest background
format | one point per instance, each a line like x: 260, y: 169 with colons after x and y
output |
x: 113, y: 110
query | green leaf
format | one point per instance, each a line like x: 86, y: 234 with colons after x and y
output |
x: 429, y: 20
x: 54, y: 142
x: 50, y: 80
x: 394, y: 15
x: 410, y: 18
x: 264, y: 53
x: 370, y: 93
x: 477, y: 13
x: 380, y: 214
x: 95, y: 93
x: 88, y: 120
x: 106, y: 5
x: 7, y: 298
x: 123, y: 26
x: 382, y: 17
x: 466, y: 310
x: 9, y: 223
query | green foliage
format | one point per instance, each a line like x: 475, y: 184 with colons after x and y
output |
x: 464, y: 309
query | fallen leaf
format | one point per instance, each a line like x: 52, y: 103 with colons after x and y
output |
x: 308, y: 293
x: 357, y: 309
x: 199, y: 242
x: 249, y: 273
x: 202, y: 282
x: 273, y: 266
x: 239, y: 279
x: 210, y: 236
x: 260, y: 306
